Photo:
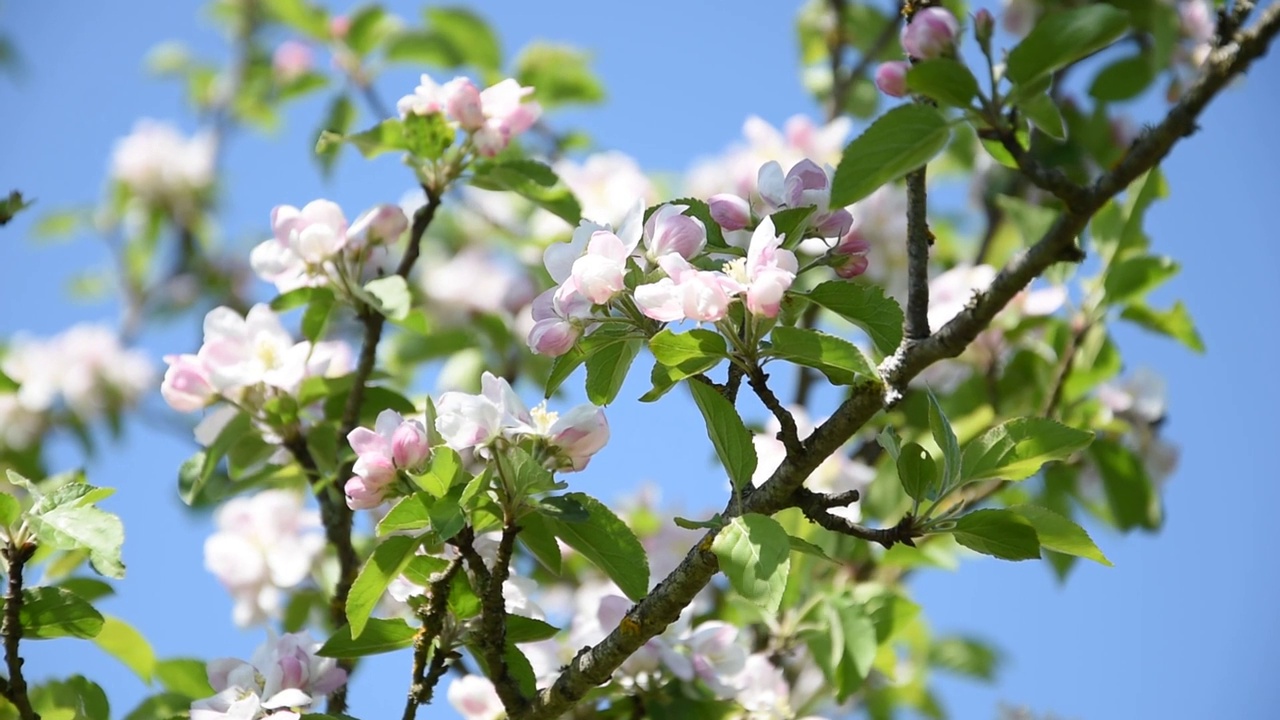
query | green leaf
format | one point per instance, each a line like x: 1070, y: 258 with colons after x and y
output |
x: 52, y: 612
x: 10, y: 509
x: 607, y: 542
x: 1032, y: 221
x: 945, y: 80
x: 999, y: 533
x: 538, y: 537
x: 1016, y: 449
x: 559, y: 75
x: 392, y: 294
x: 1123, y: 79
x: 1060, y: 39
x: 386, y: 562
x: 1044, y: 113
x: 563, y: 366
x: 379, y: 636
x: 607, y: 369
x: 865, y: 306
x: 729, y: 435
x: 1132, y: 499
x: 339, y: 118
x: 918, y: 473
x: 301, y: 15
x: 522, y: 629
x: 184, y: 676
x: 1059, y: 534
x: 755, y: 554
x: 1132, y: 278
x: 443, y: 472
x: 468, y: 35
x: 889, y: 440
x: 127, y: 645
x: 369, y: 26
x: 73, y: 698
x: 964, y: 656
x: 316, y: 316
x: 386, y: 136
x: 860, y: 645
x: 409, y: 514
x: 298, y: 297
x: 834, y: 357
x: 942, y: 433
x: 1175, y: 322
x: 447, y: 518
x: 531, y: 180
x: 901, y: 140
x: 528, y: 476
x: 805, y: 547
x: 704, y: 346
x: 70, y: 527
x: 90, y: 589
x: 162, y: 705
x: 197, y: 470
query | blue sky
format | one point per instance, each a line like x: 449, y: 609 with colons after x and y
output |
x: 1177, y: 629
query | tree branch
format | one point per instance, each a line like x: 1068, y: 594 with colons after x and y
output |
x: 919, y: 238
x: 424, y: 682
x: 789, y: 434
x: 11, y: 626
x: 594, y: 666
x: 815, y: 506
x: 493, y: 618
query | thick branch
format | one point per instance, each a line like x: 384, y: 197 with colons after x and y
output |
x: 11, y: 627
x: 493, y: 619
x: 919, y: 238
x: 594, y: 666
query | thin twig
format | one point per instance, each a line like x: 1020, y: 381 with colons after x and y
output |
x: 433, y: 616
x: 16, y: 692
x: 815, y: 506
x: 493, y: 615
x: 919, y: 238
x: 789, y: 434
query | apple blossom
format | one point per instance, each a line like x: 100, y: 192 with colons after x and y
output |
x: 599, y: 273
x: 736, y: 170
x: 806, y: 184
x: 477, y: 280
x: 159, y: 165
x: 467, y: 421
x: 506, y: 115
x: 475, y: 698
x: 264, y: 544
x: 850, y: 255
x: 186, y: 385
x: 669, y: 230
x: 558, y: 315
x: 891, y: 78
x: 291, y: 60
x: 687, y: 293
x: 379, y: 224
x: 427, y: 98
x: 716, y: 655
x: 560, y: 258
x: 284, y: 676
x: 315, y: 233
x: 85, y: 367
x: 730, y: 211
x: 931, y: 33
x: 463, y: 103
x: 766, y: 273
x: 577, y: 435
x: 256, y: 349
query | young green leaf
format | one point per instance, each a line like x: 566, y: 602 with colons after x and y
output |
x: 409, y: 513
x: 383, y: 565
x: 945, y: 80
x: 522, y: 629
x: 467, y: 34
x: 729, y: 435
x: 71, y: 527
x: 559, y: 75
x: 123, y: 642
x: 918, y: 473
x: 379, y: 636
x: 1016, y: 449
x: 532, y: 180
x: 1127, y: 486
x: 1059, y: 534
x: 607, y: 369
x: 705, y: 347
x: 865, y: 306
x: 900, y: 141
x: 837, y: 358
x: 1044, y: 113
x: 184, y: 676
x: 999, y: 533
x: 1175, y: 323
x: 607, y: 542
x: 1132, y: 278
x: 537, y: 536
x: 392, y: 295
x: 755, y: 554
x: 942, y: 433
x: 1061, y: 38
x: 52, y: 612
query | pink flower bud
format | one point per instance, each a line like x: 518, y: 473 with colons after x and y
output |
x: 580, y: 433
x: 730, y: 211
x: 462, y: 103
x: 553, y: 337
x: 670, y: 231
x: 338, y: 26
x: 186, y: 385
x: 930, y: 34
x: 360, y: 496
x: 382, y: 223
x: 376, y: 470
x: 852, y: 266
x: 409, y: 446
x: 984, y: 24
x: 891, y: 78
x: 291, y: 60
x: 833, y: 224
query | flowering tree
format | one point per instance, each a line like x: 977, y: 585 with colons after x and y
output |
x: 979, y: 403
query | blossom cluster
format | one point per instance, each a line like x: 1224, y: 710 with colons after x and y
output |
x: 477, y: 423
x: 316, y: 246
x: 161, y: 166
x: 492, y: 116
x: 282, y: 679
x: 85, y: 369
x: 264, y: 544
